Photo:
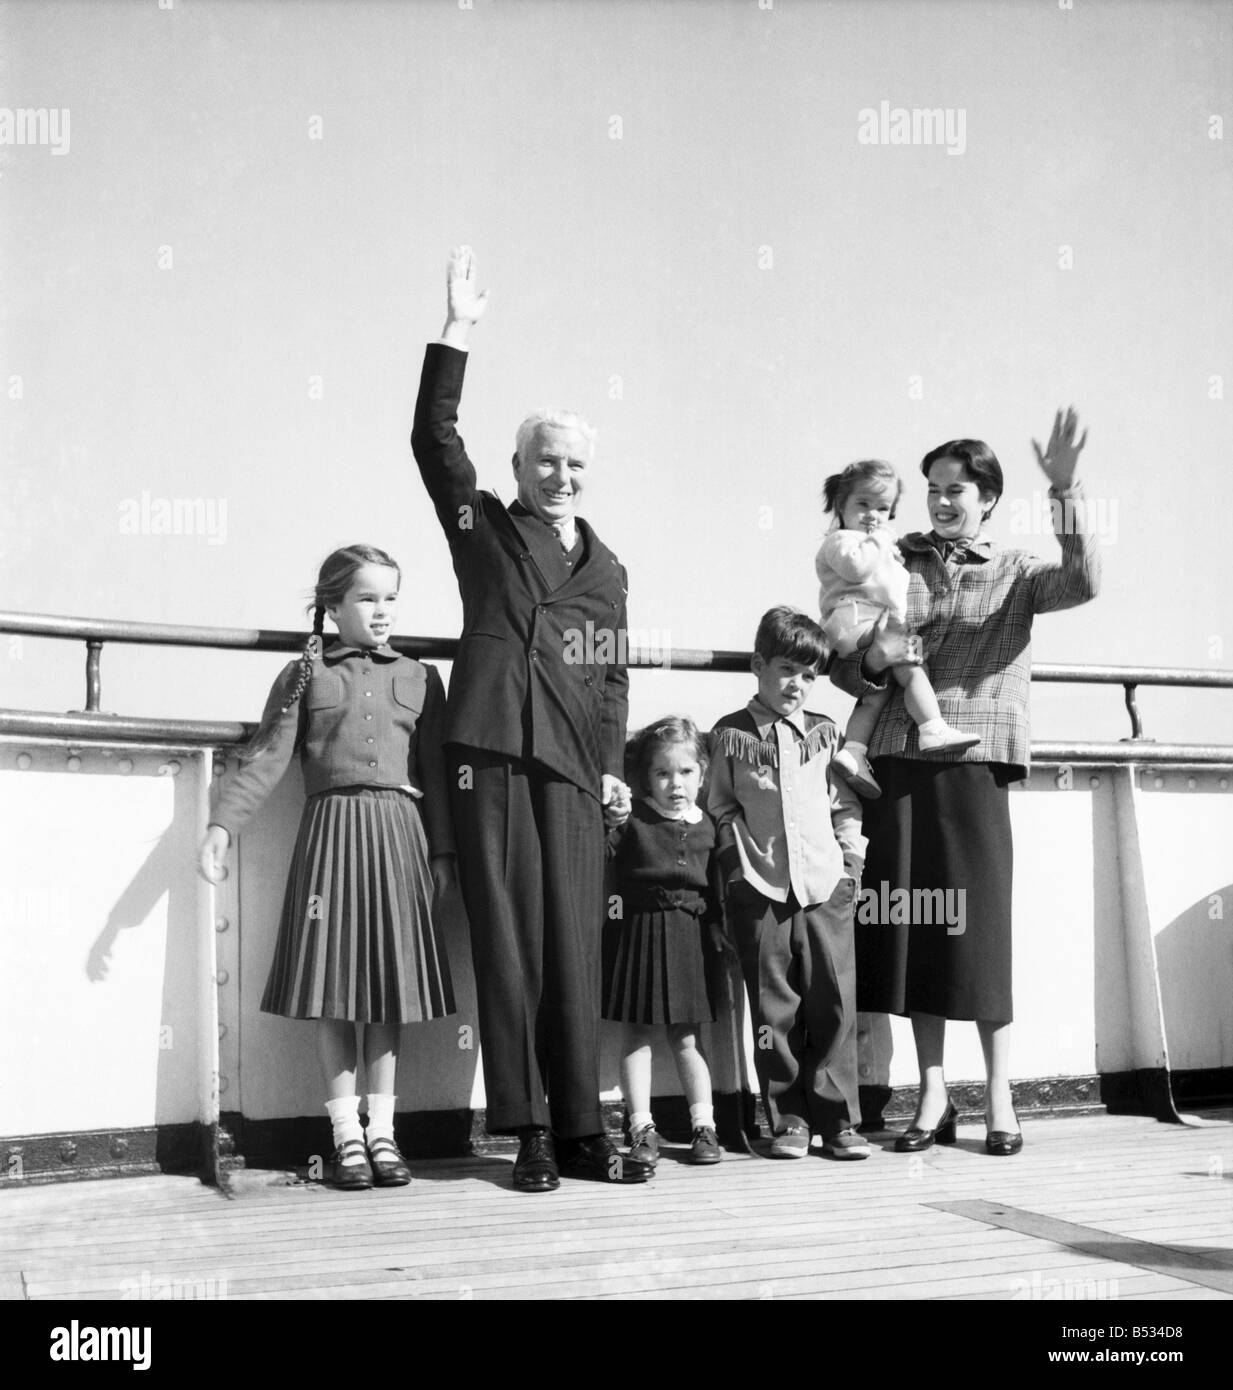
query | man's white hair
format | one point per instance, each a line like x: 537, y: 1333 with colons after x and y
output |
x: 562, y: 419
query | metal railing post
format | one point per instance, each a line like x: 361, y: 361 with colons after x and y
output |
x: 94, y: 652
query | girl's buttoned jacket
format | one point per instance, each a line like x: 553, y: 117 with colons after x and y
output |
x: 367, y: 718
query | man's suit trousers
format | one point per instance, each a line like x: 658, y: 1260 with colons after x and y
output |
x: 531, y: 860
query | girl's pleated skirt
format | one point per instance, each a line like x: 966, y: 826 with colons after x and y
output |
x: 656, y: 969
x: 356, y: 939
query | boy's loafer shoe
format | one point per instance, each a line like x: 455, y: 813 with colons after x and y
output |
x: 389, y: 1168
x: 847, y: 1144
x: 704, y: 1146
x: 535, y: 1168
x: 351, y: 1177
x: 644, y: 1145
x: 598, y: 1159
x: 792, y: 1142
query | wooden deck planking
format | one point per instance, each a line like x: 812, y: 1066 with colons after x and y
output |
x: 716, y: 1255
x: 749, y: 1228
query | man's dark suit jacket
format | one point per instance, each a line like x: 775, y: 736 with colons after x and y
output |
x: 535, y: 676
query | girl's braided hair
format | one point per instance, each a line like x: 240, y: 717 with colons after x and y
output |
x: 333, y: 580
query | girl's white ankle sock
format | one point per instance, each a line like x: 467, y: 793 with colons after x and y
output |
x: 380, y: 1117
x: 344, y: 1115
x: 702, y: 1117
x: 640, y: 1118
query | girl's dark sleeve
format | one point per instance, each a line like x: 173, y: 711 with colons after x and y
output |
x: 259, y: 773
x: 713, y: 894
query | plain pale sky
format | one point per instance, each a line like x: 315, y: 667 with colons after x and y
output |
x: 220, y: 291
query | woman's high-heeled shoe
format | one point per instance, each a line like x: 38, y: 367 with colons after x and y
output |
x: 914, y: 1141
x: 1001, y: 1143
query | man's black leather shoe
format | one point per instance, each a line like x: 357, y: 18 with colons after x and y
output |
x: 598, y: 1158
x: 535, y: 1168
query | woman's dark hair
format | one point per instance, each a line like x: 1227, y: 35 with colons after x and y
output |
x: 840, y: 486
x: 789, y: 633
x: 671, y: 729
x: 977, y: 458
x: 334, y: 578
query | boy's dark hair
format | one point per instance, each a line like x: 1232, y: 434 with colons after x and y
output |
x: 977, y: 458
x: 791, y: 634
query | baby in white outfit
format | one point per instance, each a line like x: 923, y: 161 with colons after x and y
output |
x: 861, y: 576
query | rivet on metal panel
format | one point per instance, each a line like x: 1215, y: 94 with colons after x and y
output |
x: 221, y: 924
x: 169, y: 769
x: 125, y: 765
x: 223, y: 1083
x: 1093, y: 781
x: 73, y: 763
x: 24, y: 760
x: 221, y: 977
x: 220, y: 766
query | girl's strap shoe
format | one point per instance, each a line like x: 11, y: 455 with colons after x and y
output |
x: 351, y: 1177
x: 388, y: 1165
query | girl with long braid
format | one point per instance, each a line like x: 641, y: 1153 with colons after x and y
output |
x: 356, y: 941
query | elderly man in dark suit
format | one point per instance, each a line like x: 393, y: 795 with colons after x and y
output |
x: 535, y: 726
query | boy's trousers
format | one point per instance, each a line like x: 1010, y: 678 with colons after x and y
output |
x: 799, y: 966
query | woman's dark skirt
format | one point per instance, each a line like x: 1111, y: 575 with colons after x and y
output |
x: 656, y: 969
x: 356, y: 939
x: 937, y: 826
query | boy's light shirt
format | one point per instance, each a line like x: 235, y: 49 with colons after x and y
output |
x: 796, y: 829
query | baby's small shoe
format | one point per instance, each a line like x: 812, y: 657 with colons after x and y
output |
x: 854, y: 768
x: 938, y: 737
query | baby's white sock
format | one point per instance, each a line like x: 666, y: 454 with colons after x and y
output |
x: 638, y: 1119
x: 702, y: 1116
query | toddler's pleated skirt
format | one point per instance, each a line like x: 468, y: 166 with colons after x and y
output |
x: 656, y: 969
x: 356, y: 939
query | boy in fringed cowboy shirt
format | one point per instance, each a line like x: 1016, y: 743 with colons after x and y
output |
x: 790, y: 854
